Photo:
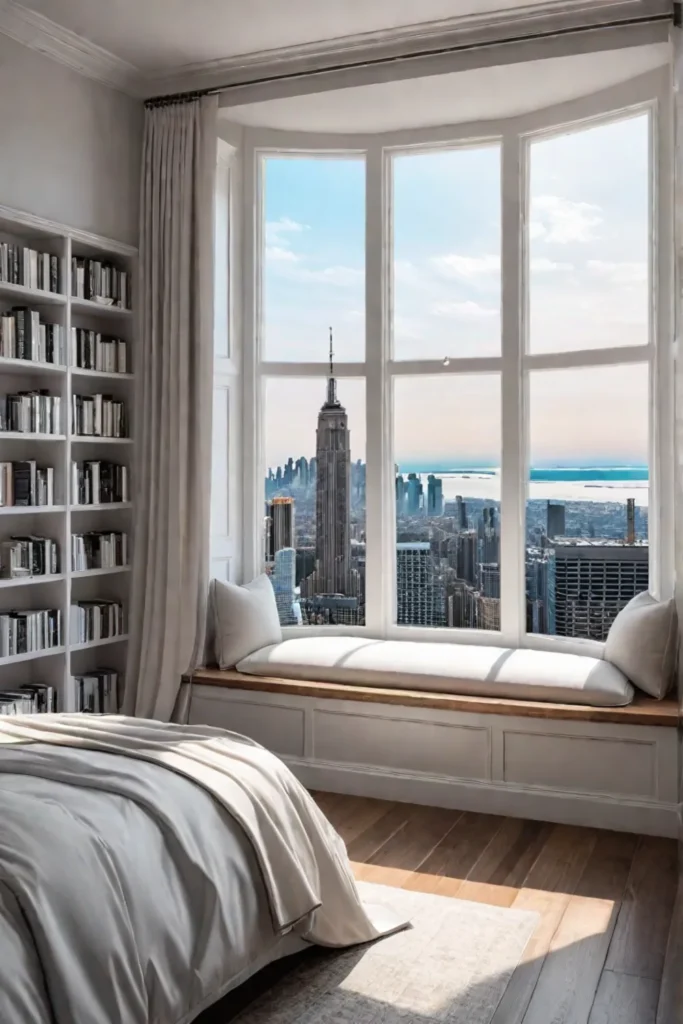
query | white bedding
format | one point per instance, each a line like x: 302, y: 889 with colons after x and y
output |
x: 130, y: 892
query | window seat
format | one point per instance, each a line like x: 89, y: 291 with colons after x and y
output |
x: 641, y: 711
x: 462, y: 669
x: 612, y: 767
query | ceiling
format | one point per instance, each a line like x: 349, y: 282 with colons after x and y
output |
x: 476, y: 95
x: 160, y: 36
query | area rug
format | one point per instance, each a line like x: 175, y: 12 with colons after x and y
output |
x: 452, y: 966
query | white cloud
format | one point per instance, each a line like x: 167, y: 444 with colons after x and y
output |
x: 619, y: 273
x: 467, y: 310
x: 278, y: 231
x: 278, y: 254
x: 555, y: 219
x: 456, y: 265
x: 542, y: 265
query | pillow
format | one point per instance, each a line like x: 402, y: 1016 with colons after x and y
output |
x: 245, y: 619
x: 642, y: 642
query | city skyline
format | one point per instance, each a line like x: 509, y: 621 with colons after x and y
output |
x: 589, y: 288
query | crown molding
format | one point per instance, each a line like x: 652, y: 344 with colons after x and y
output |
x: 392, y: 44
x: 47, y: 37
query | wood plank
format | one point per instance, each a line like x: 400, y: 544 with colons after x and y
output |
x: 625, y: 999
x: 457, y: 853
x: 562, y: 860
x: 329, y: 802
x: 497, y: 875
x: 640, y: 938
x: 606, y: 874
x: 550, y: 906
x: 364, y: 846
x: 670, y: 1007
x: 571, y: 971
x: 401, y: 855
x: 643, y: 710
x: 357, y: 814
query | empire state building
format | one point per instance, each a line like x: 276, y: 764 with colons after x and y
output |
x: 333, y: 494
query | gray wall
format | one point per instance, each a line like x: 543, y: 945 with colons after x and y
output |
x: 69, y: 147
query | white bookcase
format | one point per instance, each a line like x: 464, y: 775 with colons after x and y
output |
x: 57, y: 666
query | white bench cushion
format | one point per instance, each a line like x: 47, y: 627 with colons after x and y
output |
x: 445, y: 668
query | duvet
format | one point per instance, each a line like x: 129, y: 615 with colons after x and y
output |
x: 146, y: 869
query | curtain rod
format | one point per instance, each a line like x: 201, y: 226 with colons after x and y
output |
x: 188, y: 97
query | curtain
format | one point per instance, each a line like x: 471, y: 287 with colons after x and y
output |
x: 173, y: 405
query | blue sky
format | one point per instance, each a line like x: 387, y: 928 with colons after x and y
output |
x: 588, y: 232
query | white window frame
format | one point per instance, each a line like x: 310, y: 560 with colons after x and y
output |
x: 651, y: 92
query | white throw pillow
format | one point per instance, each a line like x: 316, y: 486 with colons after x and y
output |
x: 245, y: 619
x: 642, y: 642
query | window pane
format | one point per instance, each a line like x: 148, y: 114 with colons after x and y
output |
x: 589, y: 235
x: 447, y: 231
x: 447, y: 448
x: 314, y: 258
x: 587, y: 510
x: 315, y: 499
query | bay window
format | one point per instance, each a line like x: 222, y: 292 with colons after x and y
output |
x: 457, y: 356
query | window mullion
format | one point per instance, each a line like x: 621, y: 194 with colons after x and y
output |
x: 380, y: 525
x: 513, y: 445
x: 252, y: 391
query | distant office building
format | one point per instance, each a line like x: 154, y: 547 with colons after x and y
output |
x: 283, y: 580
x: 414, y: 494
x: 279, y: 526
x: 540, y: 591
x: 488, y: 612
x: 467, y: 556
x: 489, y: 579
x: 434, y: 495
x: 594, y: 581
x: 630, y: 520
x: 556, y: 524
x: 461, y: 512
x: 401, y: 495
x: 420, y: 597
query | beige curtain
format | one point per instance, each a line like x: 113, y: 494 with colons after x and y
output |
x: 172, y: 423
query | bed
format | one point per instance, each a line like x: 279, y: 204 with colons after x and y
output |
x: 146, y: 870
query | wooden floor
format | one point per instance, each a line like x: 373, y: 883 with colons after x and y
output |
x: 605, y: 901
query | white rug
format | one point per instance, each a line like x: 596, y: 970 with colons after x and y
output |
x: 452, y: 966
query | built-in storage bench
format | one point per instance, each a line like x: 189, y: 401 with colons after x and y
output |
x: 614, y: 768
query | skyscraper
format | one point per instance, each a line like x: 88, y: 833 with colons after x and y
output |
x: 415, y: 491
x: 421, y: 599
x: 279, y: 526
x: 401, y: 493
x: 282, y: 578
x: 462, y: 512
x: 630, y: 520
x: 332, y: 495
x: 434, y: 495
x: 555, y: 526
x: 594, y: 581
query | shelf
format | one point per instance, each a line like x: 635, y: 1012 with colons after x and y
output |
x: 20, y: 435
x: 95, y: 439
x: 8, y: 365
x: 102, y: 507
x: 26, y: 581
x: 14, y: 659
x: 84, y: 573
x: 27, y: 295
x: 99, y: 643
x: 88, y: 306
x: 30, y: 510
x: 78, y: 371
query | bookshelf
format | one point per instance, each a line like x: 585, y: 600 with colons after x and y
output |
x: 57, y: 666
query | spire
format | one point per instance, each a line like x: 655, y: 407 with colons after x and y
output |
x: 331, y: 382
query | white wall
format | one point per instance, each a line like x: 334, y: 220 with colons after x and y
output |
x: 69, y: 147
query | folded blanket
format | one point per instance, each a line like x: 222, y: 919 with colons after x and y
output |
x: 303, y: 861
